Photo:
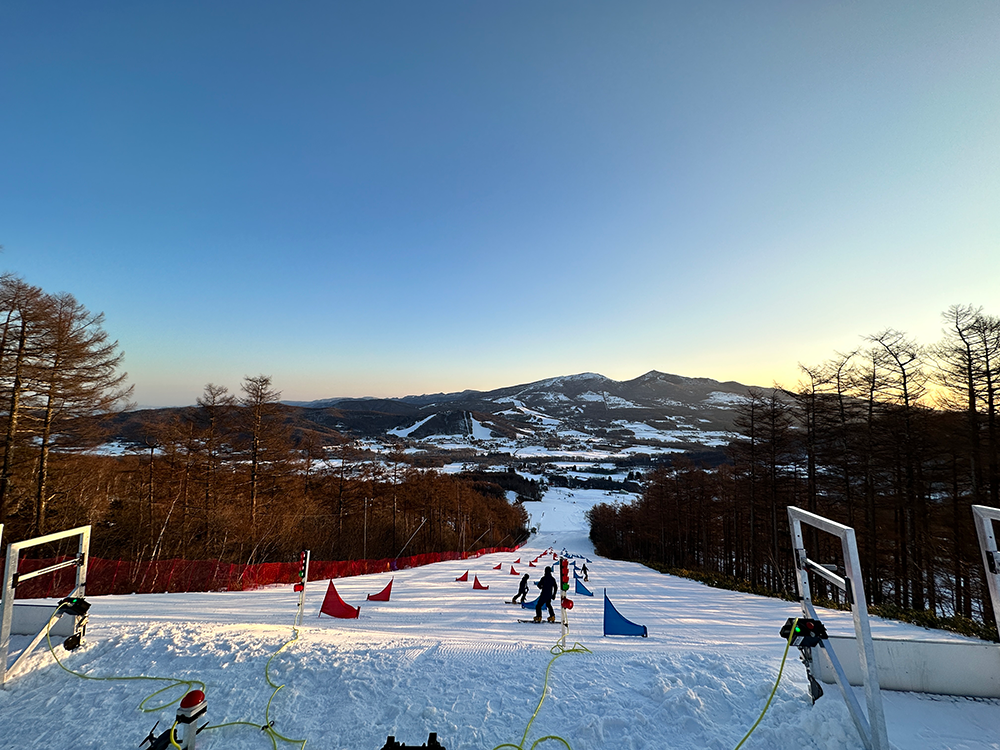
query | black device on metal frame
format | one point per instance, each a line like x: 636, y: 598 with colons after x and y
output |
x: 807, y: 633
x: 78, y: 607
x: 75, y: 605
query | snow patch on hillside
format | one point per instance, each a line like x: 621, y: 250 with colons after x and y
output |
x: 479, y: 430
x: 407, y: 431
x: 723, y: 400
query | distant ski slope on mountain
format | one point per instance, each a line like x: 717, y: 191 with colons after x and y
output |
x: 656, y: 409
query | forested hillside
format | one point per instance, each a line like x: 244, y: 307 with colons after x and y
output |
x: 228, y: 478
x: 896, y: 439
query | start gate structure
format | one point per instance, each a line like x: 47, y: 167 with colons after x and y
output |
x: 984, y: 517
x: 12, y: 578
x: 871, y: 728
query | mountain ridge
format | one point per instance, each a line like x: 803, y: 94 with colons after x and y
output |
x: 653, y: 413
x: 428, y: 398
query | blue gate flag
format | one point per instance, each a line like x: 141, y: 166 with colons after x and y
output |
x: 616, y: 624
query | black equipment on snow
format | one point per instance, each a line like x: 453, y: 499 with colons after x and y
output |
x: 431, y: 744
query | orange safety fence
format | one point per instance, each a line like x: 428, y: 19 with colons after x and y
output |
x: 178, y: 576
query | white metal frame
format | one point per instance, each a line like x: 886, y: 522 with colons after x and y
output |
x: 984, y: 517
x: 12, y: 579
x: 871, y: 727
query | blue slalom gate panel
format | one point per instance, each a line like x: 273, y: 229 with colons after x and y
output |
x: 616, y: 624
x: 581, y: 589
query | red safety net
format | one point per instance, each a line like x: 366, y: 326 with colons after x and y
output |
x: 176, y: 576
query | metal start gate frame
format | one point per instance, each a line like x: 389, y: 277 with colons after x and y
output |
x: 871, y: 727
x: 984, y: 517
x: 12, y: 579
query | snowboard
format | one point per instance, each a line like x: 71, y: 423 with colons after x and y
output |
x: 546, y: 622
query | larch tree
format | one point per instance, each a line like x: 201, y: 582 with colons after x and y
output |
x: 213, y: 416
x: 25, y: 310
x: 77, y: 378
x: 259, y: 408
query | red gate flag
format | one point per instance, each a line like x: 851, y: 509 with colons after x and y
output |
x: 334, y: 606
x: 383, y: 595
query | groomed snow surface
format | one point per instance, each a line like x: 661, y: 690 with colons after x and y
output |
x: 442, y: 657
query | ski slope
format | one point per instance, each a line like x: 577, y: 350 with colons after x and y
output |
x: 442, y: 657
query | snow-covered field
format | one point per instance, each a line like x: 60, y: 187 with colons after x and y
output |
x: 442, y: 657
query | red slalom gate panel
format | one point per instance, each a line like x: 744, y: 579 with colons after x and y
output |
x: 334, y: 606
x: 383, y: 595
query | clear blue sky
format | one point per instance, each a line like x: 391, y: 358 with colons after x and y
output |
x: 386, y: 198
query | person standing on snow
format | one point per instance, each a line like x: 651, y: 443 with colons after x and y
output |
x: 548, y: 587
x: 585, y: 573
x: 522, y: 590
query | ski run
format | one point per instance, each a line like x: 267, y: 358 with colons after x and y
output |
x: 442, y: 657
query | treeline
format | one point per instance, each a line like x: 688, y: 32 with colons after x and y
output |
x: 226, y: 479
x: 895, y: 439
x: 229, y: 479
x: 58, y: 371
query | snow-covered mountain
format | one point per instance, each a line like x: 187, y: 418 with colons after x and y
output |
x: 656, y: 410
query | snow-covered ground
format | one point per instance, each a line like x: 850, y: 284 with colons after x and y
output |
x: 442, y: 657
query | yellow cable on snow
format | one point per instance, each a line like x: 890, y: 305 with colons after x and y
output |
x: 190, y: 684
x: 272, y: 734
x: 774, y: 690
x: 558, y: 650
x: 268, y: 726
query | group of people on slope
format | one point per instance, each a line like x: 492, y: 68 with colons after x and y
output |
x: 547, y: 584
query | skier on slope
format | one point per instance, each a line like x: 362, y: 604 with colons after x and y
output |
x: 548, y: 586
x: 522, y: 590
x: 585, y: 573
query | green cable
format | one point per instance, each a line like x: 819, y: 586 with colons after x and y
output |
x: 268, y: 727
x: 272, y: 734
x: 557, y: 650
x: 142, y: 704
x: 774, y: 690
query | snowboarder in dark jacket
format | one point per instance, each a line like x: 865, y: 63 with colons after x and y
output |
x: 586, y: 573
x: 522, y: 590
x: 548, y: 587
